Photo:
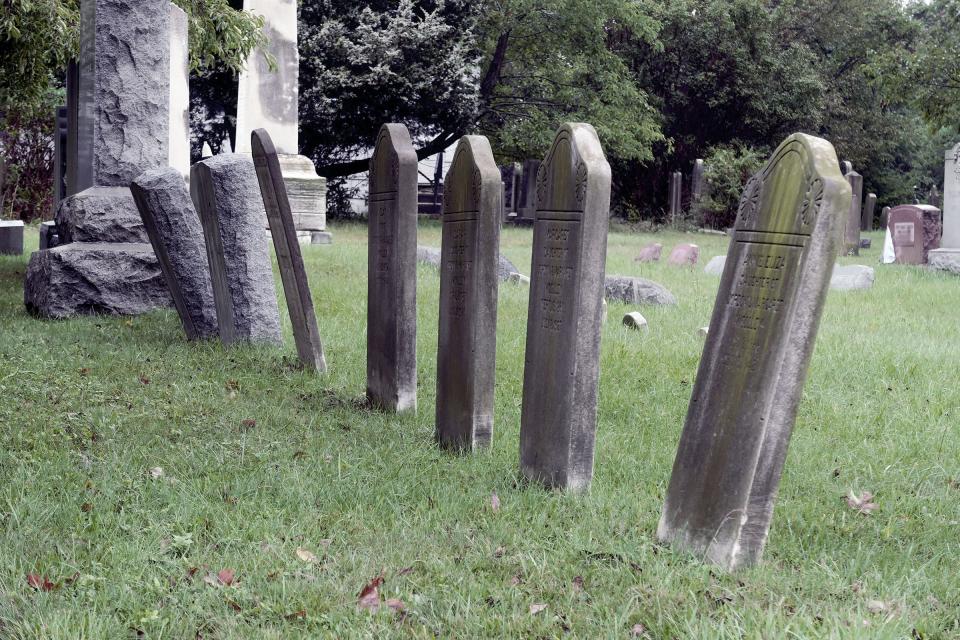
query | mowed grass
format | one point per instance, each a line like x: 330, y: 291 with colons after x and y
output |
x: 90, y: 406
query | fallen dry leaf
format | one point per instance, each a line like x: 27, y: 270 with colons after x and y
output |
x: 248, y: 423
x: 515, y: 580
x: 86, y: 507
x: 306, y: 556
x: 405, y: 571
x: 144, y: 380
x: 495, y: 502
x: 638, y: 630
x: 226, y: 577
x: 863, y: 504
x: 396, y: 604
x: 537, y: 608
x: 369, y: 597
x: 85, y: 371
x: 578, y: 583
x: 296, y: 615
x: 40, y: 583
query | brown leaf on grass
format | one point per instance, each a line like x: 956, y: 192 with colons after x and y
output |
x: 306, y: 555
x: 85, y: 371
x: 863, y: 503
x: 515, y: 580
x: 226, y: 577
x: 495, y: 502
x: 369, y: 597
x: 537, y: 608
x: 86, y: 507
x: 396, y: 605
x: 248, y: 423
x: 578, y: 583
x: 40, y: 583
x: 405, y: 571
x: 296, y: 615
x: 144, y: 380
x: 638, y: 631
x: 232, y: 385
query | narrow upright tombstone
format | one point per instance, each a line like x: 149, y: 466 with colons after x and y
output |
x: 174, y: 229
x: 73, y: 120
x: 744, y: 405
x: 696, y: 183
x: 884, y: 216
x: 528, y: 190
x: 59, y: 157
x: 947, y: 257
x: 852, y: 233
x: 392, y: 272
x: 676, y: 189
x: 467, y: 346
x: 866, y: 219
x: 846, y: 167
x: 293, y: 274
x: 224, y: 191
x: 562, y: 364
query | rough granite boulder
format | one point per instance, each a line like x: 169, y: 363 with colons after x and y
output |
x: 87, y: 279
x: 100, y: 214
x: 851, y: 277
x: 637, y: 291
x: 431, y: 256
x: 177, y: 238
x: 226, y: 192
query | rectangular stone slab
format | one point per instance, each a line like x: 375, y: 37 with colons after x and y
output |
x: 788, y: 232
x: 225, y: 191
x: 293, y: 274
x: 392, y: 272
x: 11, y: 237
x: 562, y: 364
x: 174, y: 229
x: 467, y: 344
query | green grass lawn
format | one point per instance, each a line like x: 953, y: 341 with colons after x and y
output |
x: 89, y: 407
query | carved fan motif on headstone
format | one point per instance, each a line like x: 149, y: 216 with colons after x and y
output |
x: 812, y: 199
x: 542, y: 183
x: 750, y: 203
x: 581, y: 188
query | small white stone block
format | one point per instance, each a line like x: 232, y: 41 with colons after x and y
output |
x: 634, y: 320
x: 703, y: 332
x: 321, y: 237
x: 519, y: 278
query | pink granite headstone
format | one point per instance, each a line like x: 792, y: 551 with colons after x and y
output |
x: 916, y: 230
x: 684, y: 255
x: 650, y: 253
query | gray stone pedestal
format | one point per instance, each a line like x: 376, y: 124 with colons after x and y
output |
x: 945, y: 260
x: 307, y: 192
x: 11, y: 237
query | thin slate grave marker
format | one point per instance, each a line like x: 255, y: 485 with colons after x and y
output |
x: 789, y: 230
x: 467, y: 344
x: 392, y: 272
x: 293, y: 274
x: 562, y: 363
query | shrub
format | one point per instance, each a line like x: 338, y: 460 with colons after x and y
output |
x: 727, y: 169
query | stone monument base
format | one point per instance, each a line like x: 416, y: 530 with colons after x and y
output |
x: 94, y: 278
x: 100, y: 214
x: 307, y: 192
x: 11, y: 237
x: 945, y: 260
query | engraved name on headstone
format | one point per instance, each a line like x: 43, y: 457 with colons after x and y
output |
x: 562, y: 362
x: 392, y: 272
x: 788, y: 233
x: 467, y: 345
x: 293, y: 274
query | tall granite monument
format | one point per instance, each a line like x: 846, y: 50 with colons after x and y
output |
x: 392, y: 272
x: 467, y: 345
x: 788, y: 233
x: 123, y: 129
x: 852, y: 232
x: 562, y: 364
x: 269, y: 100
x: 947, y: 258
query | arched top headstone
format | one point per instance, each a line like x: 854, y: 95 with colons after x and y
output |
x: 393, y: 149
x: 575, y: 158
x: 472, y: 172
x: 787, y: 195
x: 846, y: 167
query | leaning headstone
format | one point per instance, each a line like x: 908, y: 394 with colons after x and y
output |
x: 392, y: 272
x: 948, y: 257
x: 467, y: 346
x: 293, y: 273
x: 562, y: 364
x: 174, y: 229
x: 269, y: 99
x: 866, y: 219
x: 650, y: 253
x: 684, y: 255
x: 11, y: 237
x: 852, y: 233
x: 225, y: 193
x: 916, y: 231
x: 122, y: 130
x: 720, y: 499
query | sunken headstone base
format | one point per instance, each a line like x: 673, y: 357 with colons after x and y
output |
x: 94, y: 278
x: 945, y: 260
x: 100, y: 214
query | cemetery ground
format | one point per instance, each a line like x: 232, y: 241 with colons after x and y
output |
x: 149, y: 486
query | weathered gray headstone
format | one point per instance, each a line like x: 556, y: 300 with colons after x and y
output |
x: 528, y: 189
x: 467, y: 346
x: 392, y: 272
x: 852, y: 233
x: 696, y: 182
x: 947, y: 258
x: 269, y: 99
x: 676, y: 193
x: 635, y: 320
x: 225, y: 192
x: 94, y: 278
x: 788, y: 233
x: 59, y: 157
x: 177, y: 238
x: 512, y: 175
x: 866, y: 218
x: 851, y: 277
x: 11, y: 237
x: 562, y: 364
x: 293, y: 274
x: 884, y: 217
x: 650, y: 253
